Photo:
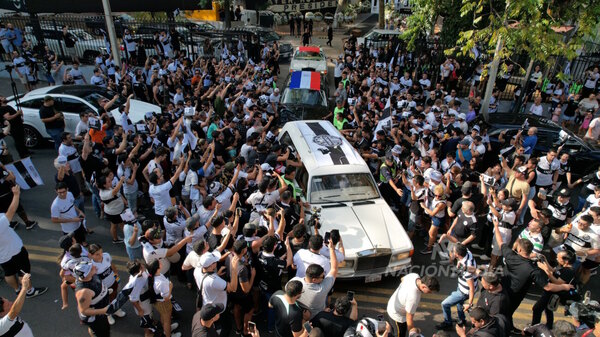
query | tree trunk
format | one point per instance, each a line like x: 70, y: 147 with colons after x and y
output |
x: 492, y: 73
x: 339, y: 9
x: 525, y: 88
x: 381, y: 6
x: 227, y: 16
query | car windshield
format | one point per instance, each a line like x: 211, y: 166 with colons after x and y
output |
x: 342, y: 187
x: 100, y: 93
x: 82, y: 36
x: 267, y: 36
x: 308, y: 55
x: 304, y: 96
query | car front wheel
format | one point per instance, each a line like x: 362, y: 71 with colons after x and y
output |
x: 32, y: 136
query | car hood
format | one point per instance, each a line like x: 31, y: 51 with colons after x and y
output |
x: 317, y: 65
x: 366, y: 226
x: 137, y: 110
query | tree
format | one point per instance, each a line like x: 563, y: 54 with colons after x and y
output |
x: 541, y: 29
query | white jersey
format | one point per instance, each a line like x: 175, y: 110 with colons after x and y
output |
x: 545, y: 171
x: 104, y: 270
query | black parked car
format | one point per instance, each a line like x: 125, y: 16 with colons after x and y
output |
x: 584, y: 154
x: 304, y: 104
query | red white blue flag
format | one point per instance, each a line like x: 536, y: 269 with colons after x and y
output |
x: 305, y: 80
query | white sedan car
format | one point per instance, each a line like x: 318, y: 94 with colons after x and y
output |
x: 72, y: 100
x: 310, y: 58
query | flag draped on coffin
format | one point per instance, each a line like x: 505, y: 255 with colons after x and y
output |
x: 26, y: 175
x: 305, y: 80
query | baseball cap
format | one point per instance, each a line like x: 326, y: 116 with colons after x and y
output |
x: 466, y: 188
x: 229, y: 166
x: 83, y: 269
x: 209, y: 311
x: 465, y: 142
x: 48, y: 98
x: 61, y: 160
x: 389, y: 156
x: 397, y: 149
x: 266, y: 167
x: 428, y: 127
x: 436, y: 175
x: 276, y: 90
x: 66, y: 241
x: 462, y: 116
x: 214, y: 187
x: 522, y: 169
x: 476, y: 128
x: 207, y: 259
x: 564, y: 193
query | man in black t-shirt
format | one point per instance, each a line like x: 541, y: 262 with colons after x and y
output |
x: 15, y: 118
x: 203, y: 323
x: 54, y: 121
x: 335, y: 323
x: 288, y: 314
x: 493, y: 298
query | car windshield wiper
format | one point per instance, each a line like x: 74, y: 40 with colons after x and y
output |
x: 335, y: 203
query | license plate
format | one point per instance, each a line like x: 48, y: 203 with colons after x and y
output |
x: 372, y: 278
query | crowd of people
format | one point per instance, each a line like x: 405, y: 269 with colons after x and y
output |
x: 204, y: 194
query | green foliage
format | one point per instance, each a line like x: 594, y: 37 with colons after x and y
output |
x: 525, y: 26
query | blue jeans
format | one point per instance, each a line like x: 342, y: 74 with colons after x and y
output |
x: 530, y: 196
x: 80, y: 202
x: 455, y: 298
x: 132, y: 200
x: 95, y: 199
x: 55, y: 135
x: 270, y: 311
x: 134, y: 253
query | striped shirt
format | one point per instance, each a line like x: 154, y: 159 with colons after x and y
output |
x: 536, y: 239
x: 464, y: 276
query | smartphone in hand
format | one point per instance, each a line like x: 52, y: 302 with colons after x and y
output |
x: 350, y: 295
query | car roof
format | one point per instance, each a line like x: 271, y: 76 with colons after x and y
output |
x: 75, y: 90
x: 312, y: 136
x: 384, y: 31
x: 314, y: 49
x: 518, y: 120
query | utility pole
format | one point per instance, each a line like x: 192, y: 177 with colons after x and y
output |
x: 112, y: 35
x: 492, y: 73
x: 381, y: 8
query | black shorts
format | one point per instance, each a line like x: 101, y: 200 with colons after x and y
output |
x: 17, y: 263
x: 590, y: 265
x: 245, y: 301
x: 116, y: 219
x: 79, y: 234
x: 99, y: 326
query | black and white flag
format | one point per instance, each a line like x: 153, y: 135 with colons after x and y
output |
x: 25, y: 173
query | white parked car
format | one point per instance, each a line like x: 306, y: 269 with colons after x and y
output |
x: 87, y: 46
x: 311, y: 58
x: 378, y: 37
x: 334, y: 177
x: 72, y: 100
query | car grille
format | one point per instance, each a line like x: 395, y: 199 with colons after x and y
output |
x: 375, y: 261
x: 285, y: 47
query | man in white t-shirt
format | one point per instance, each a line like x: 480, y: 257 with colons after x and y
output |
x: 405, y: 300
x: 64, y: 212
x: 537, y: 108
x: 153, y: 249
x: 10, y: 323
x: 305, y: 257
x: 14, y: 258
x: 593, y: 132
x: 159, y: 189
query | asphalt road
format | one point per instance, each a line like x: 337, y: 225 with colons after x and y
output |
x: 46, y: 318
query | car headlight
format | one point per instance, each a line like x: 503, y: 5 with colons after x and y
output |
x: 347, y: 264
x: 401, y: 256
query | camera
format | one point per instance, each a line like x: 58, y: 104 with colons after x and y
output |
x: 315, y: 217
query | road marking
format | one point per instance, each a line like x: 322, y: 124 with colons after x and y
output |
x: 58, y: 251
x: 373, y: 296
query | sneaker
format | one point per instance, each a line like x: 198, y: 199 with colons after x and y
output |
x: 29, y: 225
x: 117, y: 241
x: 36, y: 292
x: 443, y: 326
x: 176, y: 334
x: 174, y: 326
x: 120, y: 313
x: 426, y: 251
x: 484, y: 257
x: 444, y: 255
x: 111, y: 320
